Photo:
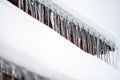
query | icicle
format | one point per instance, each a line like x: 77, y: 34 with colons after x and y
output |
x: 63, y: 28
x: 52, y: 19
x: 77, y: 35
x: 108, y: 58
x: 1, y: 62
x: 36, y: 8
x: 70, y: 31
x: 89, y: 43
x: 104, y: 53
x: 51, y: 22
x: 80, y: 39
x: 94, y: 45
x: 67, y: 30
x: 74, y: 33
x: 45, y: 16
x: 84, y: 40
x: 26, y: 6
x: 105, y: 58
x: 20, y: 4
x: 58, y: 24
x: 55, y: 22
x: 97, y: 50
x: 100, y: 49
x: 33, y: 8
x: 30, y: 8
x: 59, y: 29
x: 42, y: 13
x: 48, y: 17
x: 39, y: 13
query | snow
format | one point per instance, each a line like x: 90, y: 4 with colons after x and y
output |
x: 31, y: 44
x: 72, y: 11
x: 102, y: 15
x: 72, y: 8
x: 66, y: 15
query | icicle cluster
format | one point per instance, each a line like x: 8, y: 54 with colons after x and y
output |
x: 68, y: 26
x: 10, y: 71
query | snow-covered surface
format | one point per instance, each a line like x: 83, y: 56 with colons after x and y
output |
x: 71, y: 11
x: 31, y: 44
x: 95, y: 29
x: 102, y: 15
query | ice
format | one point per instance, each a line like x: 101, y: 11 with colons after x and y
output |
x: 106, y: 23
x: 68, y: 24
x: 32, y: 4
x: 15, y: 71
x: 45, y: 52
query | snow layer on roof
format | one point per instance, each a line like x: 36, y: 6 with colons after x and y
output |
x: 31, y: 44
x: 102, y: 15
x: 95, y: 29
